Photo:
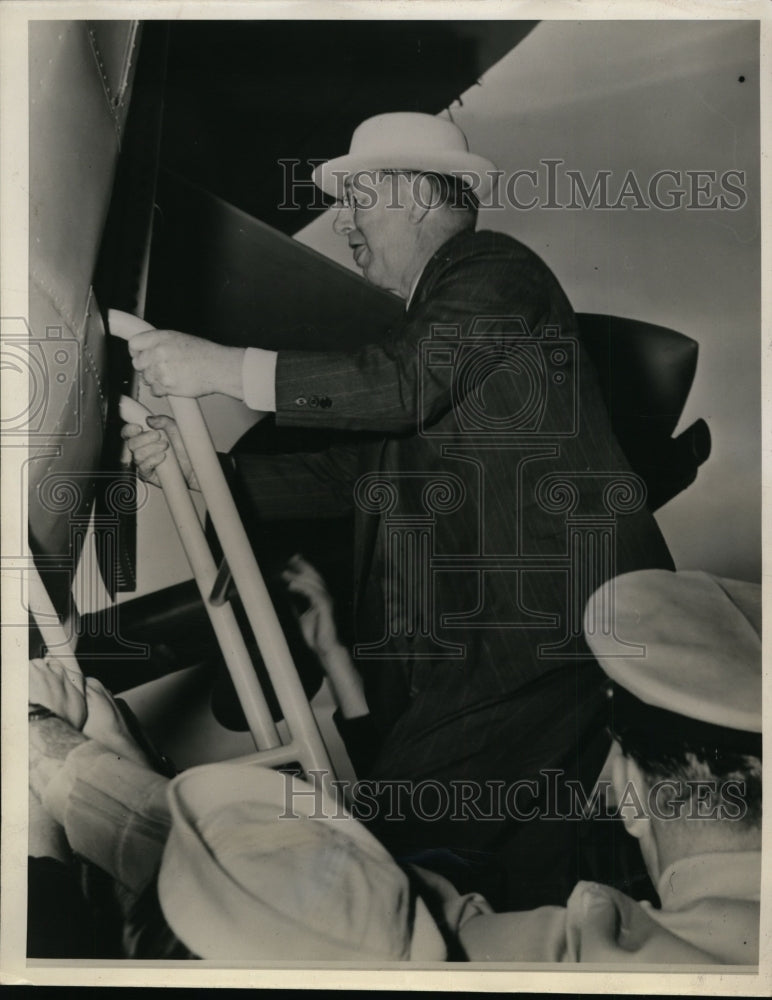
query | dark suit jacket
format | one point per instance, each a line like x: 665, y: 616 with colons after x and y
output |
x: 483, y: 391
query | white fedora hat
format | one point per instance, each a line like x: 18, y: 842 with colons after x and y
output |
x: 407, y: 140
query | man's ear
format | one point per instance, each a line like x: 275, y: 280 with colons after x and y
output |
x: 631, y: 792
x: 422, y: 198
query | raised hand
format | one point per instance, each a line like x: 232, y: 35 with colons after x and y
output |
x: 84, y: 703
x: 317, y: 621
x: 59, y: 688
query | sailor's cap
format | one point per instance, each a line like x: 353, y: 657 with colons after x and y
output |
x: 684, y: 642
x: 260, y: 865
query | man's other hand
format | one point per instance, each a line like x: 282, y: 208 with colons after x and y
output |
x: 178, y: 364
x: 59, y: 688
x: 148, y: 448
x: 84, y: 704
x: 50, y: 741
x: 317, y: 621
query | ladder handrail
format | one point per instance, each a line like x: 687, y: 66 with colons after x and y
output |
x: 256, y: 601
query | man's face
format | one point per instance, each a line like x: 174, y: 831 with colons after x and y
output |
x: 374, y: 218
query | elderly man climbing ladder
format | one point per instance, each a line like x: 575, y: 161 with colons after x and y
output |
x: 468, y: 573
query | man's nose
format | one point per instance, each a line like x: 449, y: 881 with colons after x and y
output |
x: 344, y: 221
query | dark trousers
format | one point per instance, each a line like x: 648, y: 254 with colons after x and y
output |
x: 496, y: 797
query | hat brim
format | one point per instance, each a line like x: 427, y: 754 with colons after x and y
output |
x: 482, y: 173
x: 686, y: 642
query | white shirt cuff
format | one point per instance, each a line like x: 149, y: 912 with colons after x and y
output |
x: 258, y: 379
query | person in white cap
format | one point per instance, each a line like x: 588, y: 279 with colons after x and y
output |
x: 259, y: 866
x: 683, y: 655
x: 473, y: 671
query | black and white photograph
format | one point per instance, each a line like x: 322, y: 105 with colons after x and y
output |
x: 383, y: 407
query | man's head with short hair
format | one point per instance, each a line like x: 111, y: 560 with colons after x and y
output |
x: 681, y: 795
x: 713, y: 779
x: 683, y: 652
